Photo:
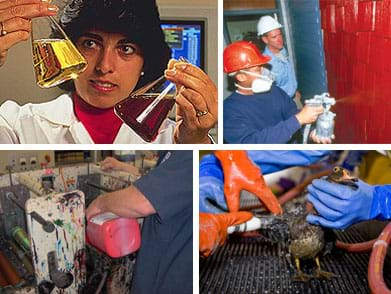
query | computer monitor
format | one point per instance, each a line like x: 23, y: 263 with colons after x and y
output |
x: 186, y: 38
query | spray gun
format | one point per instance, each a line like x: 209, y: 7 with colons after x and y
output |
x: 325, y: 121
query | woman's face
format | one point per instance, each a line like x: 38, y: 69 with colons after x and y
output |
x: 114, y: 68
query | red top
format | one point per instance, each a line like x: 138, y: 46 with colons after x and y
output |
x: 102, y: 124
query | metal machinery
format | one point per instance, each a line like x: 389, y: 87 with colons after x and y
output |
x: 42, y: 233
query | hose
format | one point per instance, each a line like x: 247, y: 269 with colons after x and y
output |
x: 376, y: 262
x: 356, y: 247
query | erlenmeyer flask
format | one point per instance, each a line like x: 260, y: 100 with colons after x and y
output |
x: 147, y: 108
x: 55, y: 58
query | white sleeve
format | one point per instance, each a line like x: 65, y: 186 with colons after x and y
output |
x: 7, y: 135
x: 8, y: 114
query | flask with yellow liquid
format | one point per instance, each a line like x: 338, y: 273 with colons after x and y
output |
x: 56, y: 59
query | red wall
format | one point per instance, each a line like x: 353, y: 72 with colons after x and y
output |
x: 357, y: 44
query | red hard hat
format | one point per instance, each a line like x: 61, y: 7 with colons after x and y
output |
x: 241, y: 55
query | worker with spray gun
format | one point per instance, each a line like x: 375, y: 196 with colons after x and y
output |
x: 259, y: 112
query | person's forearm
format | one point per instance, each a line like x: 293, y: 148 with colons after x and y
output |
x: 128, y: 202
x: 280, y: 133
x: 126, y: 167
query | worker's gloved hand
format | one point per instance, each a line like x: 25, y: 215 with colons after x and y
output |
x: 211, y: 179
x: 340, y: 206
x: 241, y: 174
x: 213, y: 229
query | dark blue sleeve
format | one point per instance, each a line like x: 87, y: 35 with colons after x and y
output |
x: 169, y: 187
x: 239, y: 129
x: 289, y: 106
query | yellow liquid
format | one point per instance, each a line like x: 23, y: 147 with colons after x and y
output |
x: 56, y: 61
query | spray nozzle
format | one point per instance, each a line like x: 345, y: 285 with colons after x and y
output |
x: 321, y: 100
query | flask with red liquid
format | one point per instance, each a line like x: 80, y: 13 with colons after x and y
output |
x: 147, y: 108
x: 116, y: 236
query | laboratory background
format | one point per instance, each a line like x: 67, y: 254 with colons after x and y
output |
x: 46, y: 246
x: 337, y: 46
x: 266, y: 243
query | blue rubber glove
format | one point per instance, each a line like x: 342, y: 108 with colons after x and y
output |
x: 212, y: 195
x: 210, y: 166
x: 211, y: 181
x: 381, y: 205
x: 340, y: 206
x: 271, y: 161
x: 211, y: 185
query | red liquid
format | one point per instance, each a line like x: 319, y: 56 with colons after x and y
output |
x: 114, y: 235
x: 129, y: 109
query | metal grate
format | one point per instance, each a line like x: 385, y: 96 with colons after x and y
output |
x: 250, y: 265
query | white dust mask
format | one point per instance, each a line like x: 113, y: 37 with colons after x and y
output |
x: 261, y: 84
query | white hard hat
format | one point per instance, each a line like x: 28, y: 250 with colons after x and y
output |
x: 267, y: 24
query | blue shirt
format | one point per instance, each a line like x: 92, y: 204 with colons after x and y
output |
x: 283, y: 71
x: 164, y: 262
x: 263, y: 118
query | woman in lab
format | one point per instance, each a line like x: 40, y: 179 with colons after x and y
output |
x: 125, y: 49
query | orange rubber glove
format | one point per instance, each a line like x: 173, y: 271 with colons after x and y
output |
x: 240, y: 173
x: 213, y: 229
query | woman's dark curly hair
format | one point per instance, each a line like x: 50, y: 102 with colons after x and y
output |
x: 137, y: 19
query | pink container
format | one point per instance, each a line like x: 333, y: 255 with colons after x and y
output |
x: 114, y: 235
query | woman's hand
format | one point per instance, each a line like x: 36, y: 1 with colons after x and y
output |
x: 196, y: 102
x: 15, y: 21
